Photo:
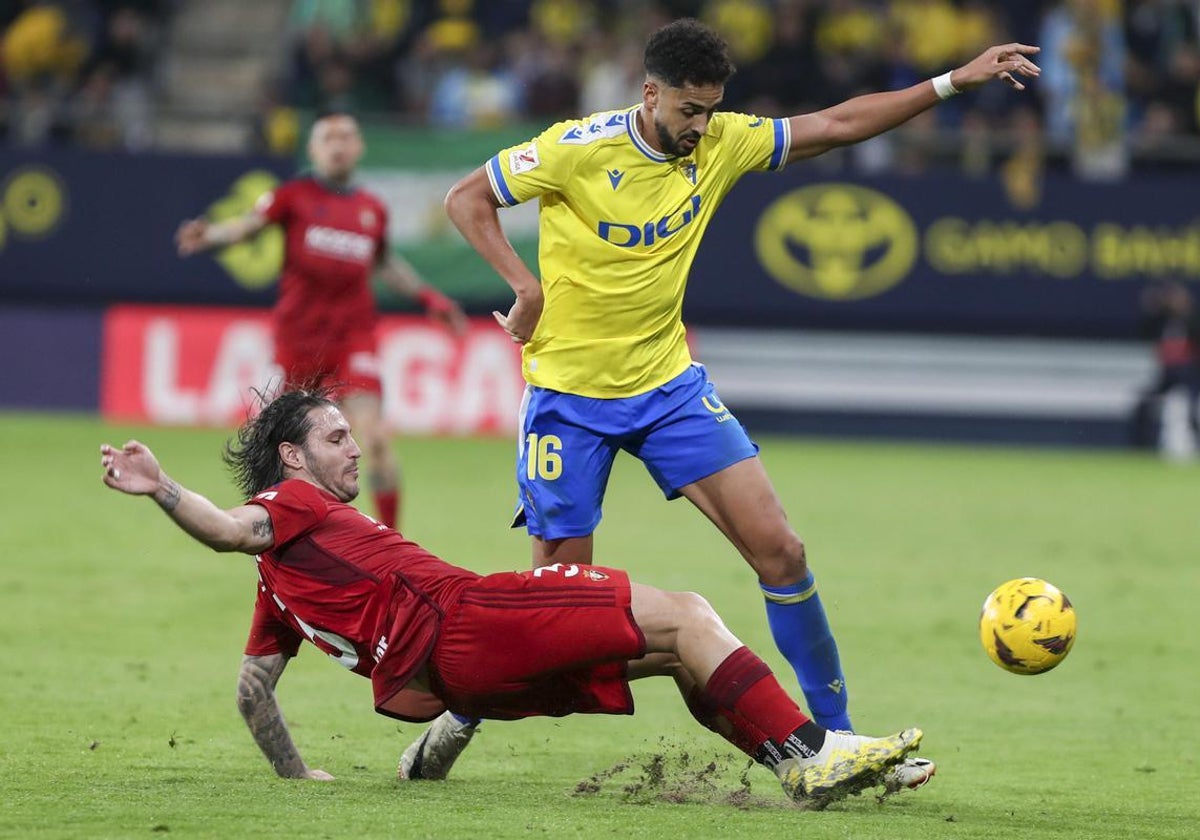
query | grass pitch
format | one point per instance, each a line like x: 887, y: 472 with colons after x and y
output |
x: 122, y: 639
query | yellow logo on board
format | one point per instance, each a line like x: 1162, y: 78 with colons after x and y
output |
x: 33, y: 202
x: 255, y: 263
x: 836, y: 241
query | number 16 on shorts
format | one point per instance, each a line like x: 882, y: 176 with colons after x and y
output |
x: 542, y: 458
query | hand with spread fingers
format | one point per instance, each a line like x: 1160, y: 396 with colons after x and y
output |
x: 132, y: 469
x: 1005, y: 62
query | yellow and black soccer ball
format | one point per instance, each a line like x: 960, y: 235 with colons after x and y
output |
x: 1027, y: 626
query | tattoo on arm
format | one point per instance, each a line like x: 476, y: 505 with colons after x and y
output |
x: 262, y: 528
x: 168, y: 499
x: 259, y: 708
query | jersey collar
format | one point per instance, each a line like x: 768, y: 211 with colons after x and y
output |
x: 348, y: 188
x: 638, y: 141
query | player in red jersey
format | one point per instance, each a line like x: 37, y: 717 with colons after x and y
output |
x: 325, y: 318
x: 431, y: 636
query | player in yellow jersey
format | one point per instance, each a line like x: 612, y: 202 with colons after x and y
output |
x: 624, y: 198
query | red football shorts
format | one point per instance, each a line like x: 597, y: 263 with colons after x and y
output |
x: 350, y: 367
x: 553, y: 641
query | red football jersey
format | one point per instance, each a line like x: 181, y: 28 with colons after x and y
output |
x: 333, y: 240
x: 359, y: 591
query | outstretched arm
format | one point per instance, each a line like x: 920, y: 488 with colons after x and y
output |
x: 196, y: 235
x: 863, y: 117
x: 401, y: 277
x: 133, y: 469
x: 472, y: 207
x: 256, y: 701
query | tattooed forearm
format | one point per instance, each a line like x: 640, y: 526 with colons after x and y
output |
x: 256, y: 701
x: 168, y: 494
x: 262, y: 528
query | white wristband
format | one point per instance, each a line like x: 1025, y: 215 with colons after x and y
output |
x: 943, y: 87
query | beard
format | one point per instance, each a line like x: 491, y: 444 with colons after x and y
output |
x: 669, y: 144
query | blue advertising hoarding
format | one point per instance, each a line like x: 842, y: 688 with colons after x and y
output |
x: 935, y: 252
x: 81, y: 228
x: 944, y: 253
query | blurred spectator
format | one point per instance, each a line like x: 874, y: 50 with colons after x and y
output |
x: 43, y: 50
x: 1171, y: 319
x: 276, y: 126
x: 612, y: 74
x: 78, y: 71
x: 1162, y: 67
x: 788, y: 78
x: 473, y: 90
x: 114, y: 105
x: 1082, y: 85
x: 1022, y: 172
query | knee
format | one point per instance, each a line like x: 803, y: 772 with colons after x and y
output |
x: 378, y: 447
x: 783, y: 562
x: 693, y: 610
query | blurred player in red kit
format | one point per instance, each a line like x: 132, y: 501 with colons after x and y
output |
x: 557, y: 640
x: 325, y: 318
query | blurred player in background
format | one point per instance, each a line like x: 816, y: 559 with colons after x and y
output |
x: 558, y: 640
x: 1170, y: 317
x: 325, y: 318
x: 625, y: 197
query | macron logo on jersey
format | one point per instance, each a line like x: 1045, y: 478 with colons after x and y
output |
x: 339, y: 244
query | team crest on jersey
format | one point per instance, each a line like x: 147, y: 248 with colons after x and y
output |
x: 367, y: 219
x: 689, y: 171
x: 756, y: 122
x: 523, y: 160
x: 599, y: 127
x: 593, y: 574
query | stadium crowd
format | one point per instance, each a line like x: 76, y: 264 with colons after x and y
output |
x: 1120, y: 77
x: 79, y: 72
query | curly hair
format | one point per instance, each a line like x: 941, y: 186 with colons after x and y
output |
x: 688, y: 52
x: 253, y: 456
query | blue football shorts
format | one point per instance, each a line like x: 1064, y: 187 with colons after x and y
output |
x: 680, y: 430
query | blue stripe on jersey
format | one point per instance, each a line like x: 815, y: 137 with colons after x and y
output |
x: 496, y: 176
x: 780, y: 152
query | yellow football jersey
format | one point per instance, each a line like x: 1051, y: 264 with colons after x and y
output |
x: 619, y: 226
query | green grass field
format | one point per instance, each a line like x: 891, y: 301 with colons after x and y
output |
x: 122, y: 639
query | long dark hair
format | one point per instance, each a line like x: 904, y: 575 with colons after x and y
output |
x: 688, y: 52
x: 253, y: 456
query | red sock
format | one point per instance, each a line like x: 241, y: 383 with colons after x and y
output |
x: 753, y: 701
x: 387, y: 504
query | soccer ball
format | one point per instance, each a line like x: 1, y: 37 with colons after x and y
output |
x: 1027, y: 626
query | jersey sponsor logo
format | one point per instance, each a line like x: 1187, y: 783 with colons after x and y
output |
x: 756, y: 122
x: 340, y: 244
x: 614, y: 178
x: 523, y: 160
x: 625, y: 235
x: 600, y: 127
x: 836, y: 241
x: 593, y: 574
